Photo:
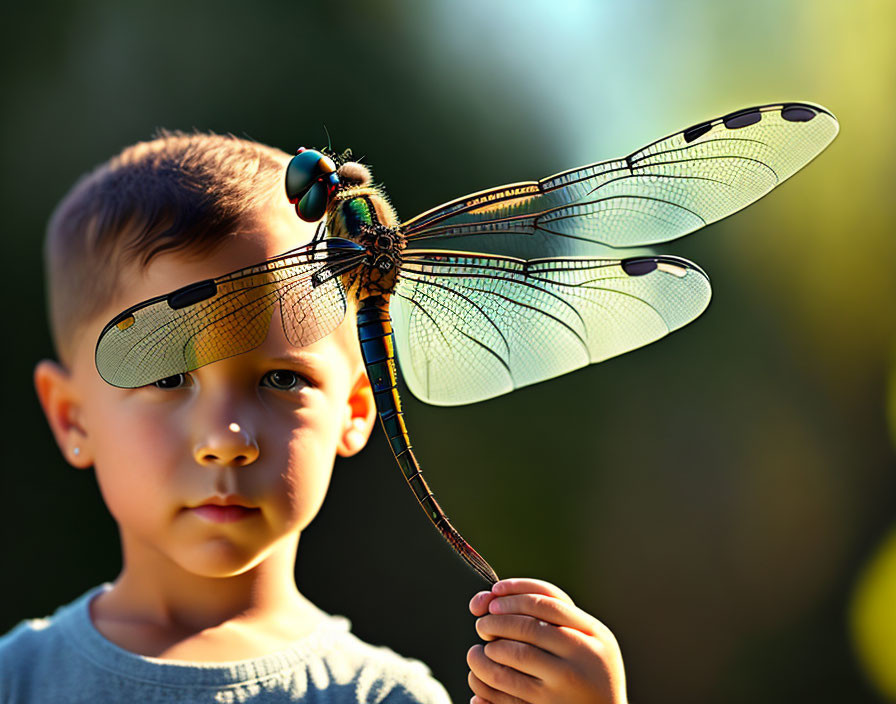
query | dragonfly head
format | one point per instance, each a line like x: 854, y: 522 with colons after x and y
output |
x: 311, y: 181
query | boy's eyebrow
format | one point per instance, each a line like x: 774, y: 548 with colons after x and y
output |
x: 298, y: 357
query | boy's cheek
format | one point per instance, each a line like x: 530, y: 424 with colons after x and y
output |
x: 309, y: 462
x: 124, y: 441
x: 137, y: 460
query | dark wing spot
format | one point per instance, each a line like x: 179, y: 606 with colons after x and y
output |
x: 188, y: 295
x: 691, y: 133
x: 797, y: 113
x: 639, y: 266
x: 742, y: 118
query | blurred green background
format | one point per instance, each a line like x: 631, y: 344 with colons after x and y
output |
x: 712, y: 497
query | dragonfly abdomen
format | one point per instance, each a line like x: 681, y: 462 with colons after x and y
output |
x: 378, y: 352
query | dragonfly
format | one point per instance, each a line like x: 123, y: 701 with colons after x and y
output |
x: 486, y: 293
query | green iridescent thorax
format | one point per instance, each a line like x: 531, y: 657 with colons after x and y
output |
x: 358, y: 205
x: 363, y: 214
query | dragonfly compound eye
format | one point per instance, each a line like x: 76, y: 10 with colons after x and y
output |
x: 314, y: 203
x: 310, y: 179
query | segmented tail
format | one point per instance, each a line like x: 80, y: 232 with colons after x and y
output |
x: 378, y: 351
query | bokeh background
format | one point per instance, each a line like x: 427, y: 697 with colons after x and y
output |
x: 718, y: 499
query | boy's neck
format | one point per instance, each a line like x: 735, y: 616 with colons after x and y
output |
x: 152, y: 591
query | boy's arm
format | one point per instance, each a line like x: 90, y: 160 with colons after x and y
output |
x: 543, y: 649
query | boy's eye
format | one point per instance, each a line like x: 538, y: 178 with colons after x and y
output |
x: 172, y: 382
x: 283, y: 379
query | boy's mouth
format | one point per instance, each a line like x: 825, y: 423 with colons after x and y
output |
x: 224, y: 509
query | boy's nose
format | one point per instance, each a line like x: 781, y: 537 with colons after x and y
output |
x: 231, y: 445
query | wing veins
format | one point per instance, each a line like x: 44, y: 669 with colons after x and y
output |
x: 263, y: 303
x: 575, y: 289
x: 630, y: 162
x: 434, y: 322
x: 712, y: 158
x: 489, y: 350
x: 465, y: 299
x: 634, y: 297
x: 524, y: 280
x: 543, y: 312
x: 632, y: 197
x: 642, y: 154
x: 631, y: 159
x: 178, y: 323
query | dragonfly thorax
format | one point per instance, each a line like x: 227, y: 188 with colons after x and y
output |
x: 362, y: 214
x: 384, y: 245
x: 380, y: 273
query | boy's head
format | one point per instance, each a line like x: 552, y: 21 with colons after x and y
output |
x: 260, y: 429
x: 186, y: 193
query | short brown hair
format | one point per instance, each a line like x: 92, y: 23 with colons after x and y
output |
x: 176, y: 192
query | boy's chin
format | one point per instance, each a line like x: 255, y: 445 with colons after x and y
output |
x: 220, y: 561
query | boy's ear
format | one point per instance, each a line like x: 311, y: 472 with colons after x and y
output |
x: 360, y: 415
x: 60, y: 403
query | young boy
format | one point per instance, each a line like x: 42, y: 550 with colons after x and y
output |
x: 213, y: 475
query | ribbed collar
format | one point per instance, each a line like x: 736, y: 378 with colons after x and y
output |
x: 74, y: 620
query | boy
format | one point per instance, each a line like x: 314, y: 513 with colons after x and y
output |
x: 213, y: 475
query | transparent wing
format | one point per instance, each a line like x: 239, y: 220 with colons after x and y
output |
x: 663, y: 191
x: 218, y: 318
x: 470, y: 327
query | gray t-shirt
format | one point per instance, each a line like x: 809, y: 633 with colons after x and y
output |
x: 63, y: 658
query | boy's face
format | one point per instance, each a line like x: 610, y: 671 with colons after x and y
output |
x: 259, y: 430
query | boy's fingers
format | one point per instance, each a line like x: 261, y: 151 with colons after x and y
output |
x: 483, y: 694
x: 479, y: 603
x: 522, y: 657
x: 526, y: 585
x: 502, y: 684
x: 547, y: 608
x: 557, y: 641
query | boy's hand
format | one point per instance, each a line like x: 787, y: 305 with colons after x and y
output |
x: 543, y: 649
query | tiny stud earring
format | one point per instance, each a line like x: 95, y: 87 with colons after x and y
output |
x: 76, y: 451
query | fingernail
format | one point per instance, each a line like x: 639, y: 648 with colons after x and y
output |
x: 496, y: 607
